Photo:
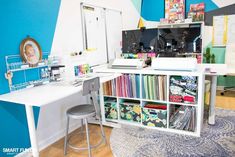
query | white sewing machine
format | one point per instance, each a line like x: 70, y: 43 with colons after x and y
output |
x: 165, y: 63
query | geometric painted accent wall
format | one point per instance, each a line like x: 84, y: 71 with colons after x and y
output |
x: 153, y: 10
x: 18, y: 19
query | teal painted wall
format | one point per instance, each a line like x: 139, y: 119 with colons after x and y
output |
x: 18, y: 19
x: 153, y: 10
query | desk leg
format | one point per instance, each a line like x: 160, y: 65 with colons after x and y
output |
x: 32, y: 130
x: 211, y: 119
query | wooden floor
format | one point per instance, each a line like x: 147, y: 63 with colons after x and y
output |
x: 227, y: 101
x: 56, y: 149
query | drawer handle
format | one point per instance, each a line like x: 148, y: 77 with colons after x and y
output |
x: 153, y: 113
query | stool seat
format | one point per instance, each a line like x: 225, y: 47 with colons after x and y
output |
x: 81, y: 111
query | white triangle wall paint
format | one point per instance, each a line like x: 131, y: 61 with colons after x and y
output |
x: 223, y: 3
x: 67, y: 39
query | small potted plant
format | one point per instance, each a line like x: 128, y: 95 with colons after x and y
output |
x: 207, y: 55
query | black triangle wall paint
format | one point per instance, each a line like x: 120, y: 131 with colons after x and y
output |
x: 228, y: 10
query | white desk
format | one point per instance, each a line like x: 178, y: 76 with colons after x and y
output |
x: 43, y: 95
x: 216, y: 70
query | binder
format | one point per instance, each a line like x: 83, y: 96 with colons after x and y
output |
x: 165, y: 87
x: 130, y: 86
x: 137, y: 85
x: 150, y: 88
x: 123, y: 86
x: 156, y: 87
x: 153, y: 87
x: 146, y: 86
x: 133, y: 81
x: 104, y: 91
x: 160, y: 80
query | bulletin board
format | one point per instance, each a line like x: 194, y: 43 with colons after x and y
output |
x: 223, y: 30
x: 102, y: 30
x: 219, y: 37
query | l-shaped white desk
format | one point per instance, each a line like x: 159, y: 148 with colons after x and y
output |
x: 46, y: 94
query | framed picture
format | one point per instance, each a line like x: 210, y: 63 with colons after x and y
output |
x: 30, y: 51
x: 174, y: 10
x: 197, y: 12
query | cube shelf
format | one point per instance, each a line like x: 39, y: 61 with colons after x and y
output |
x: 165, y: 100
x: 128, y: 85
x: 182, y: 117
x: 183, y: 89
x: 154, y: 87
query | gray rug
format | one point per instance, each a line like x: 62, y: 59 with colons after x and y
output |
x: 216, y: 141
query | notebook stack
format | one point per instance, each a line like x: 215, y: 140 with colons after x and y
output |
x: 109, y: 88
x: 128, y: 86
x: 154, y: 87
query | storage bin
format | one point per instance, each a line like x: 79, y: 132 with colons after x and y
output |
x: 110, y: 110
x: 130, y: 112
x: 154, y: 117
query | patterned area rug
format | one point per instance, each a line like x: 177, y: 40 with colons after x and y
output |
x: 217, y: 140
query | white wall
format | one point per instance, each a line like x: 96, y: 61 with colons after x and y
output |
x: 52, y: 120
x: 223, y: 3
x: 67, y: 39
x: 68, y: 33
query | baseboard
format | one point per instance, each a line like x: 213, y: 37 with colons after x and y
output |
x: 47, y: 142
x: 56, y: 136
x: 220, y: 88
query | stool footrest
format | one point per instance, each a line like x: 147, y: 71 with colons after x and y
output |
x: 85, y: 148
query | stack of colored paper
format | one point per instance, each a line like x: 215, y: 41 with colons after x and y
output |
x: 154, y: 87
x: 109, y: 88
x: 128, y: 85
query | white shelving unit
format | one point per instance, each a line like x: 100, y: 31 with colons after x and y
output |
x: 198, y: 105
x: 14, y: 64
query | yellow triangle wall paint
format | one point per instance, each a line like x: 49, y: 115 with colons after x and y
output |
x: 140, y: 23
